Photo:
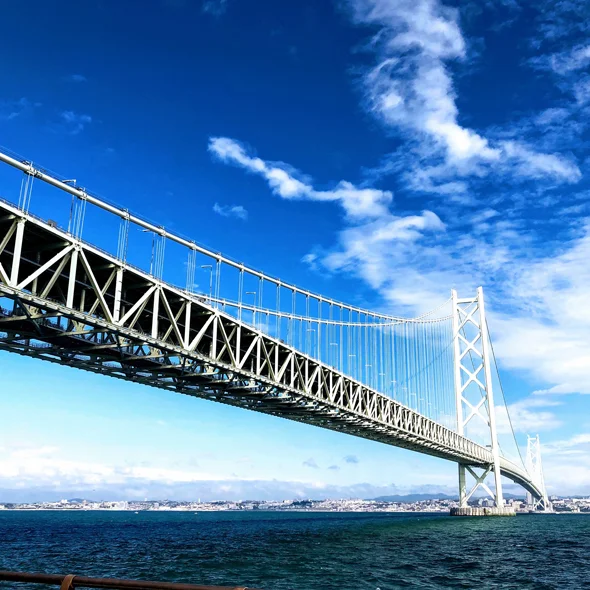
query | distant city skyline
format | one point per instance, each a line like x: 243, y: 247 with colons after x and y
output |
x: 378, y: 152
x: 410, y: 503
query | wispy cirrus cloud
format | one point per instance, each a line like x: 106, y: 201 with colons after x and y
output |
x: 410, y: 86
x: 564, y: 62
x: 562, y: 50
x: 44, y: 473
x: 215, y: 7
x: 559, y: 21
x: 78, y: 78
x: 237, y: 211
x: 288, y: 183
x: 12, y: 109
x: 571, y: 68
x: 410, y: 90
x: 374, y: 237
x: 564, y: 460
x: 74, y: 123
x: 310, y: 463
x: 552, y: 332
x: 531, y: 414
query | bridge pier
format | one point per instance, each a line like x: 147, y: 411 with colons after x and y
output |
x: 483, y: 511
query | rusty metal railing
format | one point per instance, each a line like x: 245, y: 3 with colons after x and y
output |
x: 71, y: 582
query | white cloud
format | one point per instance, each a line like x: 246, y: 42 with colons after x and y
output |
x: 528, y: 163
x: 550, y: 336
x: 565, y: 466
x: 370, y: 249
x: 358, y: 203
x: 410, y: 89
x: 74, y: 122
x: 579, y: 443
x: 76, y: 78
x: 11, y: 109
x: 581, y: 90
x: 527, y: 416
x: 32, y: 453
x: 532, y: 414
x: 407, y: 258
x: 215, y: 7
x: 46, y: 465
x: 310, y: 463
x: 375, y: 239
x: 564, y: 62
x: 561, y: 24
x: 552, y: 115
x: 231, y: 211
x: 44, y: 473
x: 558, y: 21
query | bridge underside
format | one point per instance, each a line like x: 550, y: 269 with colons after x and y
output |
x: 72, y: 304
x: 48, y: 334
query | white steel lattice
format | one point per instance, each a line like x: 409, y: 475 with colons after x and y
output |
x: 473, y: 371
x: 535, y: 468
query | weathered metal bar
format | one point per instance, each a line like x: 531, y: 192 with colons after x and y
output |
x: 114, y: 583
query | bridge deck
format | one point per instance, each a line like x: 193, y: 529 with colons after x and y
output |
x: 78, y: 306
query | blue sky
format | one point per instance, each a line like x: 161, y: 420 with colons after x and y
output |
x: 378, y: 151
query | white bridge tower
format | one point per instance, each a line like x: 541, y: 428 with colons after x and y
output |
x: 473, y: 373
x: 535, y: 468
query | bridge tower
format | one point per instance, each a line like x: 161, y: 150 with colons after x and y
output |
x: 535, y: 468
x: 472, y: 370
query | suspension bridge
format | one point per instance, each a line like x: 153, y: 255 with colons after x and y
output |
x: 244, y: 338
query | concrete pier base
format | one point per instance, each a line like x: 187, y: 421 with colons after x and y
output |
x: 482, y: 511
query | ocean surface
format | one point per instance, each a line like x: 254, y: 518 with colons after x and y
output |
x: 303, y: 551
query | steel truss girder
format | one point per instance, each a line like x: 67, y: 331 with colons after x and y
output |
x: 82, y: 307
